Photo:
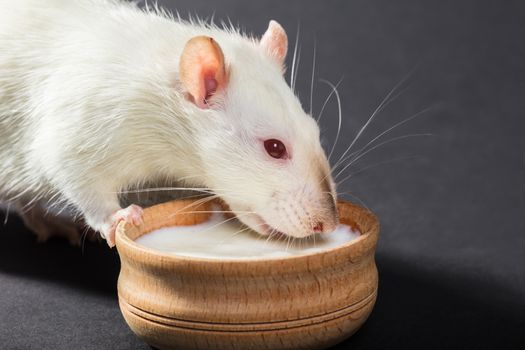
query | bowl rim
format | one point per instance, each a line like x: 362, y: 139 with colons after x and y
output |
x: 125, y: 244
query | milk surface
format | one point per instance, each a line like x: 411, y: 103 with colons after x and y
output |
x: 218, y: 239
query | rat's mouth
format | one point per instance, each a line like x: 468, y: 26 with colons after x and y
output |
x: 257, y: 223
x: 263, y: 227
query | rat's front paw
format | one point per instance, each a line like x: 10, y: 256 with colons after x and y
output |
x: 131, y: 214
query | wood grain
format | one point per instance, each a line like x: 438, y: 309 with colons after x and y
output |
x: 302, y: 302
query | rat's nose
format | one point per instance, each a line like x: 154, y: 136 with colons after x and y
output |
x: 318, y: 227
x: 327, y: 217
x: 324, y: 226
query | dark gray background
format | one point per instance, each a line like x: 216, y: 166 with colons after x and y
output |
x: 451, y: 253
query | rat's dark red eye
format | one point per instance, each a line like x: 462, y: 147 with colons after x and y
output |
x: 275, y: 148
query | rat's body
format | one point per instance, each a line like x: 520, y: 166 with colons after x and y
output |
x: 92, y: 102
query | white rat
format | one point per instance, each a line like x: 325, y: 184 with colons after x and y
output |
x: 97, y: 96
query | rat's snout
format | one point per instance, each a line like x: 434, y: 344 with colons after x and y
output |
x: 311, y: 213
x: 328, y: 219
x: 315, y: 214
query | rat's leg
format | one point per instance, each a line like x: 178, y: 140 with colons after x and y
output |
x: 46, y: 225
x: 103, y: 213
x: 131, y: 214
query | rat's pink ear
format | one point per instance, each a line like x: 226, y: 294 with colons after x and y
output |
x: 201, y: 69
x: 275, y: 41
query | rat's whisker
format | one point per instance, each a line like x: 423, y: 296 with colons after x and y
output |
x: 188, y: 177
x: 238, y: 232
x: 193, y: 204
x: 334, y: 89
x: 218, y: 212
x: 268, y: 239
x: 296, y: 73
x: 158, y: 189
x: 294, y: 59
x: 288, y: 239
x: 414, y: 116
x: 249, y: 228
x: 312, y: 80
x: 7, y: 213
x: 359, y: 171
x: 361, y: 202
x: 223, y: 222
x: 377, y: 146
x: 202, y: 192
x: 83, y: 238
x: 328, y: 99
x: 379, y: 108
x: 276, y: 234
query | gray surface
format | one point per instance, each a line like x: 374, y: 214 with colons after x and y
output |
x: 451, y: 255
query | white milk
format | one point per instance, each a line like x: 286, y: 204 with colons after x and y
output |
x: 223, y: 240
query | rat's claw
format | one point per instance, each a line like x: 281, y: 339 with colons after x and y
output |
x: 131, y: 214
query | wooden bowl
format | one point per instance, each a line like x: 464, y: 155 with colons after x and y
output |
x: 308, y: 301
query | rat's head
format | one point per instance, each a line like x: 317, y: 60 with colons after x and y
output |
x: 260, y: 151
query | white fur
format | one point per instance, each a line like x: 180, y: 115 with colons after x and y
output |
x: 90, y: 104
